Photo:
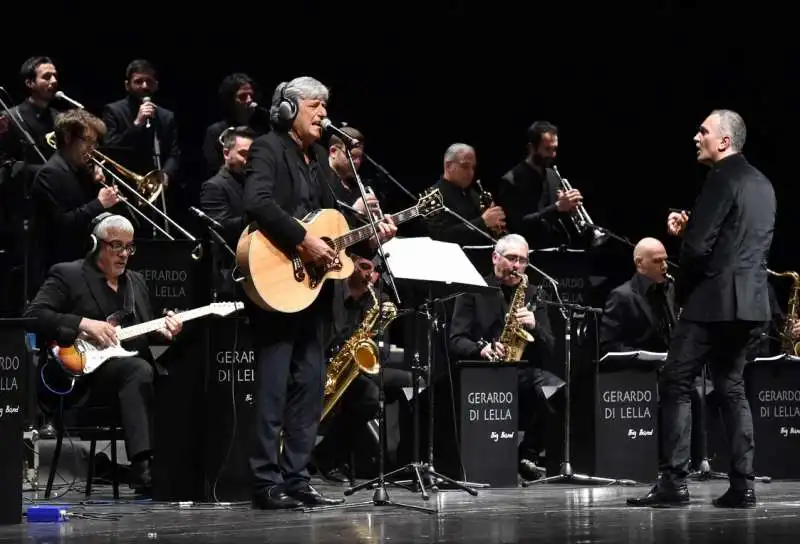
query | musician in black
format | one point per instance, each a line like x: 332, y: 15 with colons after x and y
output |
x: 222, y: 198
x: 239, y: 96
x: 67, y: 192
x: 88, y: 298
x: 135, y: 122
x: 287, y: 177
x: 531, y: 193
x: 722, y: 288
x: 343, y: 183
x: 19, y: 162
x: 460, y: 194
x: 478, y: 322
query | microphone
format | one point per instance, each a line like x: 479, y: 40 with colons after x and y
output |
x: 669, y: 277
x: 348, y: 140
x: 147, y: 100
x: 62, y: 96
x: 209, y: 220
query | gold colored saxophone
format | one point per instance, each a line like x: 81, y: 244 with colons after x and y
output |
x: 788, y: 344
x: 514, y: 336
x: 358, y: 354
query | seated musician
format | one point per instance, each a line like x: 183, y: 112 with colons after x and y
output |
x: 478, y: 322
x: 87, y: 298
x: 344, y: 185
x: 359, y: 403
x: 222, y: 198
x: 640, y: 314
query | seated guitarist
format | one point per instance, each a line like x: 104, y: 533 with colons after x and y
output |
x: 87, y: 298
x: 288, y: 176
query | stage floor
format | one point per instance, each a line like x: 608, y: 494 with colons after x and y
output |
x: 550, y: 513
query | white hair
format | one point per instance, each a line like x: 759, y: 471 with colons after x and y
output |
x: 300, y: 88
x: 455, y: 150
x: 112, y: 222
x: 506, y: 242
x: 732, y: 125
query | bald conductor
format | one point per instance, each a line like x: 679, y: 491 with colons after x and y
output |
x: 640, y: 313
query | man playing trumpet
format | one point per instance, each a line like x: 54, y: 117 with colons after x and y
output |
x: 68, y: 191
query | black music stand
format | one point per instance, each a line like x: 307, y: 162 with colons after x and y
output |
x: 14, y: 392
x: 442, y: 271
x: 566, y: 474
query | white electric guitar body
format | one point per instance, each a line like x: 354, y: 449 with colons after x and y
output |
x: 83, y: 357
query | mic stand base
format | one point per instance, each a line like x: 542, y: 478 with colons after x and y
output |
x: 566, y: 475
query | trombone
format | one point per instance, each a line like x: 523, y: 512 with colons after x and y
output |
x: 148, y: 188
x: 580, y: 217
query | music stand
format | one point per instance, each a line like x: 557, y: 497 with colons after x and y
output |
x: 443, y: 271
x: 566, y: 474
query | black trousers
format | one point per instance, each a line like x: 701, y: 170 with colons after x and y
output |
x: 723, y: 345
x: 358, y: 405
x: 124, y: 384
x: 535, y: 411
x: 290, y: 378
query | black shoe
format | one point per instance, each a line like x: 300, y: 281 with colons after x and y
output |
x: 336, y: 475
x: 530, y: 471
x: 311, y: 497
x: 274, y: 498
x: 141, y: 481
x: 736, y: 498
x: 663, y: 495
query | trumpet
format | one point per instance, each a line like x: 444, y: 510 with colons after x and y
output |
x: 580, y: 217
x: 486, y: 200
x: 148, y: 188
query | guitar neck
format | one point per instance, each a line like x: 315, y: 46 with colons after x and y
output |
x: 365, y: 232
x: 151, y: 326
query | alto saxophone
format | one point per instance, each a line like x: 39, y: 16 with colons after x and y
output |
x: 788, y: 344
x: 358, y: 354
x: 514, y: 336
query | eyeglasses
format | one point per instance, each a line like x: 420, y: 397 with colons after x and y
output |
x: 516, y: 259
x: 117, y: 246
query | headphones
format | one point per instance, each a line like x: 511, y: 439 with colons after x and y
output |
x: 92, y: 226
x: 286, y: 110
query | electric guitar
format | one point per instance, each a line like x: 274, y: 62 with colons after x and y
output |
x: 83, y: 357
x: 283, y: 283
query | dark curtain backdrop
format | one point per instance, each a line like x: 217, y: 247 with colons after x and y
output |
x: 627, y: 86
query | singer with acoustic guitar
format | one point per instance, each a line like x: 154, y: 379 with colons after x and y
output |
x: 288, y: 177
x: 88, y: 298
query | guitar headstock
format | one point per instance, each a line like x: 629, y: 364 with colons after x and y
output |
x: 430, y: 202
x: 225, y: 308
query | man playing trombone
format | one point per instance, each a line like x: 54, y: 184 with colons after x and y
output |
x: 70, y: 190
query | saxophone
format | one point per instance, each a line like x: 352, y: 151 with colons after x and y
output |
x: 358, y: 354
x: 514, y: 337
x: 788, y: 344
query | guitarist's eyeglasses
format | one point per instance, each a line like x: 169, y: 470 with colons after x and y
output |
x: 117, y: 246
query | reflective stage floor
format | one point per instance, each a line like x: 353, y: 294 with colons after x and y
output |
x: 546, y: 513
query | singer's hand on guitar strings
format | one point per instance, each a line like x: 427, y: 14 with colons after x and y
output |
x: 172, y: 326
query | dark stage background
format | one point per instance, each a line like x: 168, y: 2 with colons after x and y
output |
x: 627, y: 87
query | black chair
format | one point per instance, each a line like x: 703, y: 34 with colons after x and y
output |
x: 90, y: 423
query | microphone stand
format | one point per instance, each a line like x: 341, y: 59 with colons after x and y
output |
x: 373, y: 224
x: 382, y: 171
x: 566, y: 475
x: 157, y: 163
x: 358, y: 215
x: 30, y: 142
x: 220, y: 240
x: 620, y: 238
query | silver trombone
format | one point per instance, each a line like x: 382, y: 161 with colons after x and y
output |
x: 580, y: 217
x: 197, y: 252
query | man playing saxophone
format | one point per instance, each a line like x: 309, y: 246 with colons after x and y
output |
x: 479, y: 321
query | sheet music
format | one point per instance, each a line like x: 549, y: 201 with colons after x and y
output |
x: 425, y: 259
x: 781, y: 357
x: 642, y: 355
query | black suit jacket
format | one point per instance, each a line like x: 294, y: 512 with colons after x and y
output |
x: 479, y: 317
x: 71, y: 292
x: 222, y: 198
x: 629, y: 322
x: 723, y: 257
x: 119, y: 116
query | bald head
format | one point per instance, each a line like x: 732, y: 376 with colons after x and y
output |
x: 650, y: 259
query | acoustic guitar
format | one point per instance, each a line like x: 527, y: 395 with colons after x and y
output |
x: 83, y: 357
x: 281, y: 282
